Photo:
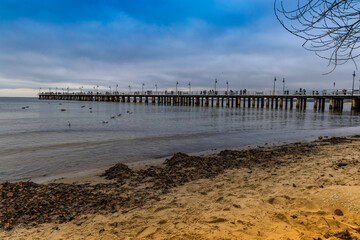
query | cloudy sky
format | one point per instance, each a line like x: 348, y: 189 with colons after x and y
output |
x: 66, y: 43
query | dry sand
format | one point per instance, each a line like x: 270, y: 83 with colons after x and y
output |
x: 294, y: 200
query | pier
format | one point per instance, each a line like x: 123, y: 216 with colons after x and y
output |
x: 250, y: 99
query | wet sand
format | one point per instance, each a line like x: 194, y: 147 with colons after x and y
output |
x: 295, y: 191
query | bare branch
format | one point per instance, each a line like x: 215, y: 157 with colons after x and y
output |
x: 330, y: 28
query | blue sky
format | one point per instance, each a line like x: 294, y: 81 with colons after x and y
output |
x: 67, y: 43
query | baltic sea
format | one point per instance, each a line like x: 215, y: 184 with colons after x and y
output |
x: 36, y: 139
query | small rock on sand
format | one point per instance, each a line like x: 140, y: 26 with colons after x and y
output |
x: 338, y: 212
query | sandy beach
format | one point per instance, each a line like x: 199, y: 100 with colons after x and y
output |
x: 294, y: 191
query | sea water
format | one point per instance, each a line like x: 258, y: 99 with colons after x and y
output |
x: 36, y: 139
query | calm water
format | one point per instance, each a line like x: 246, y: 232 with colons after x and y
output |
x: 37, y: 141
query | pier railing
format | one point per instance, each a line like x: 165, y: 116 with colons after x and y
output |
x: 242, y: 93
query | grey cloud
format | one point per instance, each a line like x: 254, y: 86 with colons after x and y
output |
x: 36, y: 55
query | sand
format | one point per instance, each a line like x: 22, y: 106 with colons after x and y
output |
x: 314, y: 195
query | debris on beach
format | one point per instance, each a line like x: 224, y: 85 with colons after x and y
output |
x: 344, y: 235
x: 338, y: 212
x: 29, y: 204
x: 120, y: 171
x: 63, y: 109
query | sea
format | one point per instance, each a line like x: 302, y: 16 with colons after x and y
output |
x: 47, y: 139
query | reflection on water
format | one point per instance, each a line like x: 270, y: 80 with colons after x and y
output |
x: 37, y: 141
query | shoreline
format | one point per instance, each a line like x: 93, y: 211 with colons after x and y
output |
x: 92, y: 176
x: 297, y: 190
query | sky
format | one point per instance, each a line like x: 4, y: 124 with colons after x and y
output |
x: 66, y: 43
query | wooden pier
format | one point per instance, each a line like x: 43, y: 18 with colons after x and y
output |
x: 276, y: 101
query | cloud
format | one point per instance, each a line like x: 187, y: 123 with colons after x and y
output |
x: 18, y: 92
x: 162, y: 42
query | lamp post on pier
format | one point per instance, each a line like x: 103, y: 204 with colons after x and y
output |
x: 177, y: 83
x: 142, y: 88
x: 352, y: 92
x: 116, y: 88
x: 215, y: 84
x: 283, y: 85
x: 274, y: 86
x: 129, y: 89
x: 156, y: 88
x: 190, y: 87
x: 227, y: 88
x: 110, y: 89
